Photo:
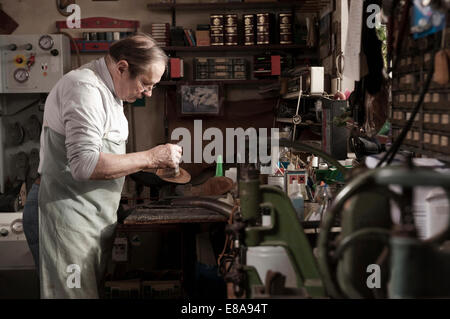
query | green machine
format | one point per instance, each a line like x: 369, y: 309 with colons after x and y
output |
x: 409, y: 267
x: 284, y: 231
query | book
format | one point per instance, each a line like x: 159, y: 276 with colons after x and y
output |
x: 188, y: 38
x: 176, y: 68
x: 191, y: 35
x: 203, y: 38
x: 203, y: 27
x: 177, y: 36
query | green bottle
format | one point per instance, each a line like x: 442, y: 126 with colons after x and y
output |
x: 219, y: 166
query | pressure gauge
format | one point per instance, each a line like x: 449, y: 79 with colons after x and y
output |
x: 21, y: 75
x: 46, y: 42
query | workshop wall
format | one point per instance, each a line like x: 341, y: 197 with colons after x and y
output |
x: 236, y: 114
x: 39, y: 17
x: 146, y: 123
x: 339, y: 21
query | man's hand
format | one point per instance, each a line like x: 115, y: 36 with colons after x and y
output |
x: 110, y: 166
x: 161, y: 156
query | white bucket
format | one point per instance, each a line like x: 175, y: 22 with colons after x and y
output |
x: 437, y: 212
x: 275, y: 258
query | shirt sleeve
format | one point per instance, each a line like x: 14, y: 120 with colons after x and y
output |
x: 84, y: 120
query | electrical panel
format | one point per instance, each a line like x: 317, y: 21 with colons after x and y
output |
x: 32, y: 63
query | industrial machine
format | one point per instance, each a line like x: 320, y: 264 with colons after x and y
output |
x: 409, y: 267
x: 266, y: 235
x: 30, y: 65
x: 18, y: 278
x: 266, y: 231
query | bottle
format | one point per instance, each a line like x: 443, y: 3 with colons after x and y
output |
x: 297, y: 200
x: 323, y: 198
x: 219, y: 166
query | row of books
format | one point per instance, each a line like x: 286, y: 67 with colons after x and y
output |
x: 220, y: 68
x: 160, y: 32
x: 178, y: 36
x: 223, y: 29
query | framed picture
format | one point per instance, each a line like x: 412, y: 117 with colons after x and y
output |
x: 200, y: 99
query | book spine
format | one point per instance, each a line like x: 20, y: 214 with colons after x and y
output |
x: 216, y: 20
x: 188, y: 38
x: 175, y: 68
x: 191, y: 35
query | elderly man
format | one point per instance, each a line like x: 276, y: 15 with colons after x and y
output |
x: 83, y: 164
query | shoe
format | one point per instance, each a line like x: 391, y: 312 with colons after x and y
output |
x: 214, y: 186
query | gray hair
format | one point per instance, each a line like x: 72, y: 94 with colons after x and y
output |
x: 140, y: 51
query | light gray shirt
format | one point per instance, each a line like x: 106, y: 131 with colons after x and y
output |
x: 83, y: 107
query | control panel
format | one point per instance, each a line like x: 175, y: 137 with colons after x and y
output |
x: 32, y: 63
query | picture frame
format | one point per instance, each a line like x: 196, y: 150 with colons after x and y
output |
x: 200, y: 99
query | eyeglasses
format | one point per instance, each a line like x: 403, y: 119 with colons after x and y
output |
x: 146, y: 88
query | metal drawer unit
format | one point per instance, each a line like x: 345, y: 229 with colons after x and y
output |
x: 430, y: 132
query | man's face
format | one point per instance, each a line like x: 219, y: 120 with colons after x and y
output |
x: 129, y: 89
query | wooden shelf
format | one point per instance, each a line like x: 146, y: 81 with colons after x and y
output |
x: 305, y: 5
x: 221, y: 48
x: 103, y: 46
x: 101, y: 22
x: 225, y: 82
x: 94, y: 46
x: 294, y: 96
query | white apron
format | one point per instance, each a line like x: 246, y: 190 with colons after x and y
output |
x: 77, y: 223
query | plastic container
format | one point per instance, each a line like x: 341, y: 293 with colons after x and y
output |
x: 323, y: 198
x: 232, y: 174
x: 275, y: 258
x: 437, y: 210
x: 297, y: 200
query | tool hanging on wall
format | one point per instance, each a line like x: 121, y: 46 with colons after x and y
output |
x: 340, y: 64
x: 441, y: 71
x: 297, y: 119
x: 62, y: 6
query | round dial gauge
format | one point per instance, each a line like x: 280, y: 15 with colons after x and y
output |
x: 46, y: 42
x: 21, y: 75
x: 17, y: 226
